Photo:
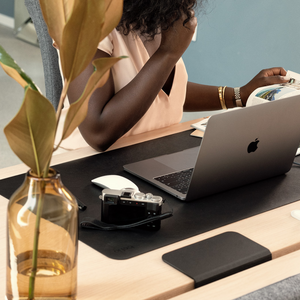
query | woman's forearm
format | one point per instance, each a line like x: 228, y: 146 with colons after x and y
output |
x: 111, y: 115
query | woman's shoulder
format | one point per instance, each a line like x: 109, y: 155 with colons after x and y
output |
x: 107, y: 44
x: 116, y: 41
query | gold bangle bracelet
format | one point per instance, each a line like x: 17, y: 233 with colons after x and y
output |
x: 223, y: 97
x: 221, y: 91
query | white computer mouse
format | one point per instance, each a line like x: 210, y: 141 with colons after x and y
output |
x: 296, y: 214
x: 114, y: 182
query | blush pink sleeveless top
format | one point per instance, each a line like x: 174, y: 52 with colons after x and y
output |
x: 165, y: 110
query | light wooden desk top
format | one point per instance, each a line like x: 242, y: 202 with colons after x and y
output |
x: 148, y: 277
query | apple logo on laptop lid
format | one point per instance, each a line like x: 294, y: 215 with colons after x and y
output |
x: 253, y: 146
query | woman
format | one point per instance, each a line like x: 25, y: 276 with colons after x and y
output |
x: 149, y: 89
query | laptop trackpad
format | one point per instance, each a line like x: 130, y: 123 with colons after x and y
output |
x: 185, y: 159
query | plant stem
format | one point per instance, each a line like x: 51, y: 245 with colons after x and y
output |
x: 36, y: 240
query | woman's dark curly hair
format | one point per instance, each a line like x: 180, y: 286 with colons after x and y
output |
x: 150, y: 17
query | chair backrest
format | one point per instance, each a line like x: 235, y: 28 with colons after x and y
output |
x: 53, y: 80
x: 288, y: 288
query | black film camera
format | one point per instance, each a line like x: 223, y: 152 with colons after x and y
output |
x: 129, y: 206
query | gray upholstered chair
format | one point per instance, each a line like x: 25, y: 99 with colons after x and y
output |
x: 53, y: 80
x: 287, y: 289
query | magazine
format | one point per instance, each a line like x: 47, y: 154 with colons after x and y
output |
x: 276, y: 91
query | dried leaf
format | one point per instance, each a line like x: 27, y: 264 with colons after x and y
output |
x: 56, y: 13
x: 78, y: 110
x: 81, y: 36
x: 114, y: 11
x: 12, y: 69
x: 31, y: 132
x: 68, y: 7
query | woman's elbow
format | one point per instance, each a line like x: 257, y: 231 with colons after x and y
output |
x: 99, y: 141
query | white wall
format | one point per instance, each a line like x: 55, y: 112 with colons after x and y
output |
x: 238, y: 38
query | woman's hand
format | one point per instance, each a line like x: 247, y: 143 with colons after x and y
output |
x: 177, y: 38
x: 263, y: 78
x: 209, y: 94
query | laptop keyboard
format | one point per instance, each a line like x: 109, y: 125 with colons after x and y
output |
x: 179, y: 181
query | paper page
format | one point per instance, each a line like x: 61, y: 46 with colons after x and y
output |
x: 201, y: 125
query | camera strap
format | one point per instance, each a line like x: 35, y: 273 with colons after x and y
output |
x: 92, y: 223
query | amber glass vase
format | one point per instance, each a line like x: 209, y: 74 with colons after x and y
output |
x: 42, y: 214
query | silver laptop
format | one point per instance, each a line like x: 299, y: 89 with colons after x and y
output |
x: 239, y: 147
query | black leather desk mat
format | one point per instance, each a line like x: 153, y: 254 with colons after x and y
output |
x: 189, y: 219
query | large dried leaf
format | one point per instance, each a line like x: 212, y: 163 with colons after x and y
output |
x: 78, y: 110
x: 56, y: 14
x: 12, y: 69
x: 31, y: 132
x: 114, y: 11
x: 81, y: 36
x: 68, y: 7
